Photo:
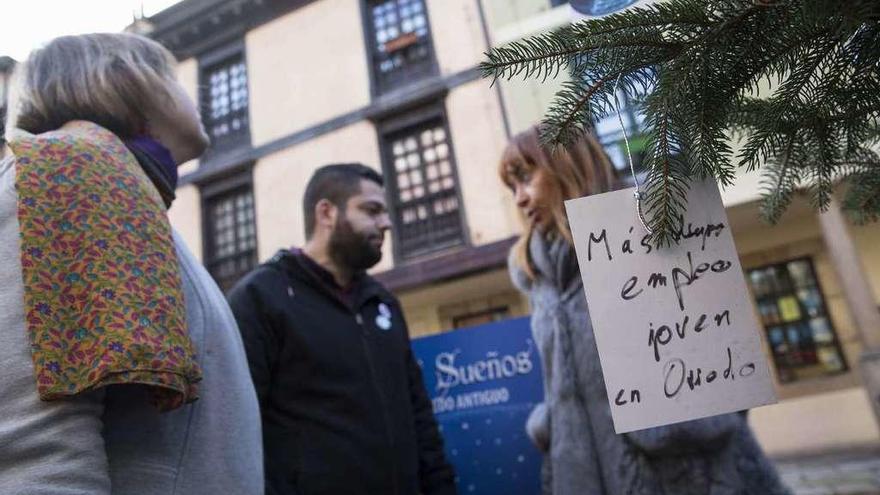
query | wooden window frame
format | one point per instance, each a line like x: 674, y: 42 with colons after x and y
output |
x: 381, y: 84
x: 786, y: 372
x: 212, y: 192
x: 461, y: 321
x: 396, y: 125
x: 226, y: 55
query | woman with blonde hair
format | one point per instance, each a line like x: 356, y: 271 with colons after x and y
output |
x: 712, y: 456
x: 110, y: 328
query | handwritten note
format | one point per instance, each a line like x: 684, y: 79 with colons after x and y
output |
x: 676, y: 332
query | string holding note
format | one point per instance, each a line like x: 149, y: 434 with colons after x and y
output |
x: 638, y: 194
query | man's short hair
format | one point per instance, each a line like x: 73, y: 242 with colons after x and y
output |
x: 336, y: 183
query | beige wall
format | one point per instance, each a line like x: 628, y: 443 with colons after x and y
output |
x: 510, y: 298
x: 185, y: 216
x: 528, y: 101
x: 867, y: 238
x: 457, y: 33
x: 306, y: 67
x: 745, y: 189
x: 478, y: 138
x: 503, y: 15
x: 545, y: 20
x: 431, y: 309
x: 280, y: 180
x: 819, y: 423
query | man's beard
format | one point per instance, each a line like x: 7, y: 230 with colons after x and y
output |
x: 352, y: 250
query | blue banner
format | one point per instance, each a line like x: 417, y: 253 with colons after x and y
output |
x: 484, y: 382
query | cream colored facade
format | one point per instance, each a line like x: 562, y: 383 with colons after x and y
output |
x: 294, y: 86
x: 310, y: 66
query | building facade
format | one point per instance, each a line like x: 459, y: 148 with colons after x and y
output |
x: 287, y: 86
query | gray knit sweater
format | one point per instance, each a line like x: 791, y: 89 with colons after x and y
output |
x: 113, y: 441
x: 711, y: 456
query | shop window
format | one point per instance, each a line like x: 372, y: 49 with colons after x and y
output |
x: 799, y: 330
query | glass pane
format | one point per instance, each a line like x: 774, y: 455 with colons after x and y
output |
x: 430, y: 155
x: 830, y: 359
x: 811, y: 300
x: 789, y: 308
x: 801, y: 274
x: 821, y: 331
x: 413, y: 160
x: 403, y: 181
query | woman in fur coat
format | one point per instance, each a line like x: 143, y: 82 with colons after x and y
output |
x: 583, y: 454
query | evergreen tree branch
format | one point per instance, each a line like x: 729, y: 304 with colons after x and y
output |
x: 701, y: 69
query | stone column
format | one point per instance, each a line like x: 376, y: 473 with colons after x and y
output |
x: 859, y: 297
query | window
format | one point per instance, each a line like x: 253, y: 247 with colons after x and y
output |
x: 231, y: 234
x: 422, y: 182
x: 481, y: 317
x: 225, y: 101
x: 610, y: 135
x: 799, y: 330
x: 401, y: 41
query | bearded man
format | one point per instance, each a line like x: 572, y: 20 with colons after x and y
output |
x: 344, y: 408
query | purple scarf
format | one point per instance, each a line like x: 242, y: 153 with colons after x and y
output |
x: 158, y: 164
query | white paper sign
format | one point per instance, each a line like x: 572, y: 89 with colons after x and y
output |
x: 676, y: 332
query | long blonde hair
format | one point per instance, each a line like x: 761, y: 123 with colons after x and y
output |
x: 580, y: 169
x: 111, y: 79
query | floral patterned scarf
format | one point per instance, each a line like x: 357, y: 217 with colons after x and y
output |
x: 102, y: 289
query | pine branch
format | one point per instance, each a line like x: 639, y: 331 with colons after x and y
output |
x: 698, y: 66
x: 778, y: 184
x: 666, y: 182
x: 536, y: 57
x: 862, y: 201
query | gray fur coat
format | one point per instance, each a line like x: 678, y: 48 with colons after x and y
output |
x: 583, y: 455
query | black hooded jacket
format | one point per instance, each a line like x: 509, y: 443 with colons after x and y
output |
x: 343, y: 404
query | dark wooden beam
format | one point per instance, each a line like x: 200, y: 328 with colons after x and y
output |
x: 458, y: 263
